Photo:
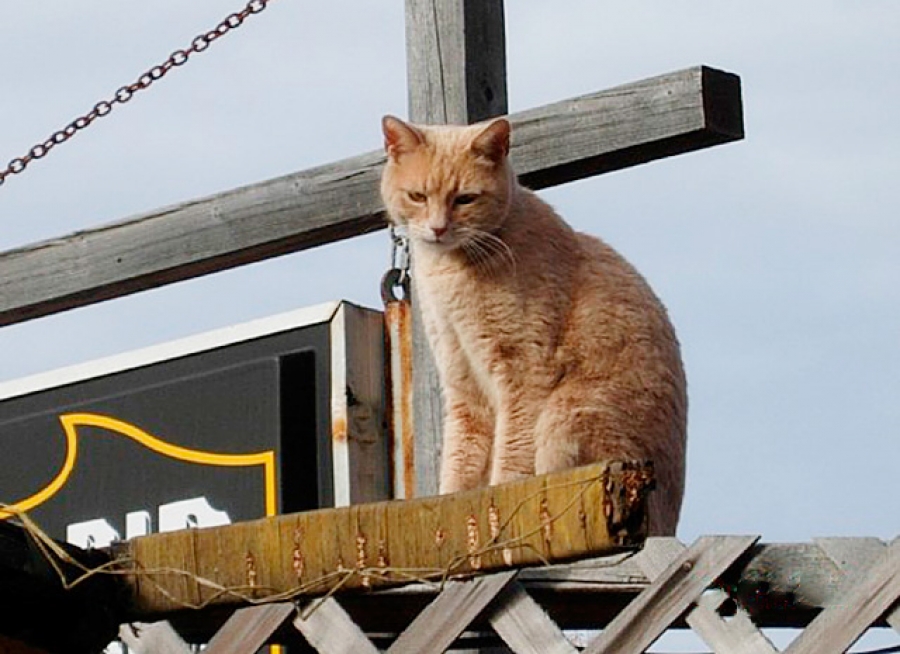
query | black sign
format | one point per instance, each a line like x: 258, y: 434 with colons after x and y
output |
x: 220, y: 428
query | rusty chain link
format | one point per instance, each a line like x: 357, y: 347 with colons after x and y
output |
x: 125, y: 93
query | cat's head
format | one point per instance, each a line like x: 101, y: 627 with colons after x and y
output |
x: 445, y: 184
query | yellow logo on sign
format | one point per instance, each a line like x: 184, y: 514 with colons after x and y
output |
x: 71, y: 422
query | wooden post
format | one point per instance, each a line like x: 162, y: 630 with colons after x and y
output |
x: 359, y: 453
x: 456, y: 68
x: 456, y: 60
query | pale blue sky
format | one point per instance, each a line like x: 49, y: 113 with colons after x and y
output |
x: 777, y: 256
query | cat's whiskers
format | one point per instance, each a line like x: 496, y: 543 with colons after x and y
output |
x: 486, y: 263
x: 487, y: 250
x: 479, y: 256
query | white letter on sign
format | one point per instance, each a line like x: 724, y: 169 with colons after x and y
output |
x: 91, y: 533
x: 190, y: 514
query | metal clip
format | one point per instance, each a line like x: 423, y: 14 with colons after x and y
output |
x: 398, y: 275
x: 400, y: 253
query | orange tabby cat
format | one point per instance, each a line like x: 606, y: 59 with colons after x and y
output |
x: 552, y: 350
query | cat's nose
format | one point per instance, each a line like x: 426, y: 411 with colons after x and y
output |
x: 439, y: 231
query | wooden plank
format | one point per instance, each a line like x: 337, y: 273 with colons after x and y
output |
x: 682, y: 582
x: 428, y: 408
x: 249, y: 628
x: 435, y: 629
x: 525, y: 626
x: 613, y: 129
x: 863, y: 599
x: 852, y: 556
x: 775, y: 570
x: 782, y: 578
x: 737, y: 635
x: 327, y: 627
x: 456, y: 60
x: 152, y: 638
x: 558, y: 517
x: 626, y: 122
x: 253, y: 223
x: 358, y: 448
x: 456, y: 73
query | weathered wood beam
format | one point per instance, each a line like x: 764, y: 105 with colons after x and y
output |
x: 248, y: 629
x: 455, y: 60
x: 629, y: 125
x: 670, y: 594
x: 442, y: 621
x: 565, y: 515
x: 736, y: 635
x: 324, y: 624
x: 152, y: 638
x: 609, y: 130
x: 866, y: 595
x: 525, y: 626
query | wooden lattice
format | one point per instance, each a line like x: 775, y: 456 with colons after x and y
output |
x: 724, y: 588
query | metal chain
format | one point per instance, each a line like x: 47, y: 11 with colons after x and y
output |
x: 125, y: 93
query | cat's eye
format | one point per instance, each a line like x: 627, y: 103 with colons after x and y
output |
x: 416, y: 196
x: 465, y: 198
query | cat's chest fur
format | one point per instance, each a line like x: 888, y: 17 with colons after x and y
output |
x: 485, y: 325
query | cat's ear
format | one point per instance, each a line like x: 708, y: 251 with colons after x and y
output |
x: 399, y: 137
x: 493, y: 142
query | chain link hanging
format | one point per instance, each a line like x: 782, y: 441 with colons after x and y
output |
x: 125, y: 93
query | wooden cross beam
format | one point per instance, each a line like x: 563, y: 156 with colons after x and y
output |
x: 569, y: 140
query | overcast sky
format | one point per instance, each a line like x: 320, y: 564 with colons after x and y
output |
x: 777, y: 256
